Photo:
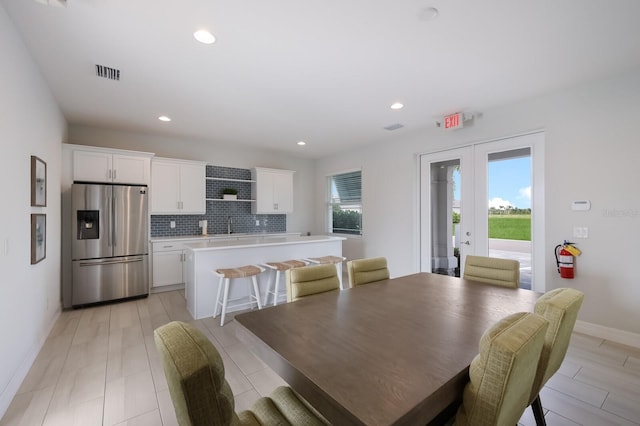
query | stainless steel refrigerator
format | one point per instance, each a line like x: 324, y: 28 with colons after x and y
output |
x: 109, y: 245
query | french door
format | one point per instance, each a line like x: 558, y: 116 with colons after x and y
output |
x: 455, y: 205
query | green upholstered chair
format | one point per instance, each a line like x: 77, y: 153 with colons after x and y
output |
x: 501, y: 375
x: 364, y: 271
x: 492, y: 270
x: 309, y: 280
x: 560, y: 307
x: 201, y: 395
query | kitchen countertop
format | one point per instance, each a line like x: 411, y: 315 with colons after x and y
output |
x: 262, y: 240
x: 221, y: 236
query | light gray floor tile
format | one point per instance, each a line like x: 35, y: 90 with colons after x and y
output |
x: 28, y: 408
x: 129, y: 397
x: 624, y: 406
x: 151, y: 418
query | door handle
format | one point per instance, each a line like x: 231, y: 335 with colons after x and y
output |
x: 467, y: 242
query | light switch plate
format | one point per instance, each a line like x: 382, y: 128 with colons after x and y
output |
x: 580, y: 232
x: 172, y: 224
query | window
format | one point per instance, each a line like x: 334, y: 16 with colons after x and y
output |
x: 345, y: 203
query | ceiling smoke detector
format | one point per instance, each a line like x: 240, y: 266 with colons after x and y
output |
x: 107, y: 72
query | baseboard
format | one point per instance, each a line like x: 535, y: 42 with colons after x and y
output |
x: 613, y: 334
x: 21, y: 372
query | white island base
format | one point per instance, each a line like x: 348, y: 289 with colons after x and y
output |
x: 205, y: 257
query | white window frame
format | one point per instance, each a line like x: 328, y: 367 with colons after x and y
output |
x: 331, y: 202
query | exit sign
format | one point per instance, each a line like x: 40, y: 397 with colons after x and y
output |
x: 453, y: 121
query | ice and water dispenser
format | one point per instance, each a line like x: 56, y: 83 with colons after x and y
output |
x: 88, y: 224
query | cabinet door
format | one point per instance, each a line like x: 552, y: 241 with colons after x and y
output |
x: 130, y: 169
x: 283, y: 192
x: 167, y: 268
x: 264, y: 196
x: 192, y: 189
x: 92, y: 166
x: 165, y: 187
x: 274, y: 191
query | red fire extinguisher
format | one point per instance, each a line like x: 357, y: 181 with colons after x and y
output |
x: 565, y: 259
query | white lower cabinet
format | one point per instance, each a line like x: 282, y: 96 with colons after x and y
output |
x: 169, y: 260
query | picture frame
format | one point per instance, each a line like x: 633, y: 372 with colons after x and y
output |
x: 38, y: 237
x: 38, y: 182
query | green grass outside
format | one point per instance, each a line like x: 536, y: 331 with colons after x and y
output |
x: 510, y: 227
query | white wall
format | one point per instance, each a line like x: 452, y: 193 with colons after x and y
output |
x: 216, y: 153
x: 591, y: 152
x: 30, y: 124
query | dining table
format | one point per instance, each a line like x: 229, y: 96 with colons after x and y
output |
x: 393, y: 352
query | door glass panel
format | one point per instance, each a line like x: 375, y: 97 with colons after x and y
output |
x: 509, y: 214
x: 445, y: 217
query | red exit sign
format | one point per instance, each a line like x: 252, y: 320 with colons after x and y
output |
x: 453, y: 121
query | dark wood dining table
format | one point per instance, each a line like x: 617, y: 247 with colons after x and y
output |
x: 393, y: 352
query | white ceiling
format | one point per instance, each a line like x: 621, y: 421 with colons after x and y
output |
x: 321, y: 71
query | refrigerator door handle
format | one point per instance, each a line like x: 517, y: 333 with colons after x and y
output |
x: 110, y: 262
x: 108, y: 219
x: 113, y: 218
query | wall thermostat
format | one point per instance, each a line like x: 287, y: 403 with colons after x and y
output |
x: 581, y: 205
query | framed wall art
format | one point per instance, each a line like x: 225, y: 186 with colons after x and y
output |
x: 38, y: 182
x: 38, y: 237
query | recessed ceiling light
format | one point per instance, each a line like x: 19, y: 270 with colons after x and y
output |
x: 204, y: 36
x: 397, y: 105
x: 302, y: 143
x: 164, y: 118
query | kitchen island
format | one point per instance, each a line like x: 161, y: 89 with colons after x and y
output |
x: 204, y: 257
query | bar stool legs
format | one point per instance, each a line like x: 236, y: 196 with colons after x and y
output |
x: 249, y: 271
x: 278, y: 267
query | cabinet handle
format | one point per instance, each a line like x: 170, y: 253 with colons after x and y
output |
x: 178, y: 205
x: 114, y: 173
x: 109, y: 174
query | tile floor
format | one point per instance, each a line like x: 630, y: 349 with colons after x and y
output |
x: 99, y: 366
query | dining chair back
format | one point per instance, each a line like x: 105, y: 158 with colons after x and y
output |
x: 502, y: 373
x: 364, y: 271
x: 492, y: 270
x: 560, y: 308
x: 309, y: 280
x: 201, y: 395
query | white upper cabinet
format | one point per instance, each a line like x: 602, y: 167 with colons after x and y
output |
x: 177, y: 187
x: 272, y: 190
x: 109, y: 166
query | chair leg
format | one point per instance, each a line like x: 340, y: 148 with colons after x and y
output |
x: 536, y: 406
x: 220, y: 283
x: 255, y: 289
x: 275, y: 291
x: 225, y: 300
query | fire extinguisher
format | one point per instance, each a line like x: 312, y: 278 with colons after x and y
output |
x: 565, y: 259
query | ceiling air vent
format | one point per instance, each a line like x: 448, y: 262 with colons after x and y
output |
x: 59, y: 3
x: 394, y: 126
x: 108, y: 73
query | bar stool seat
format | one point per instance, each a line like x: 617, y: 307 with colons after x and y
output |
x: 335, y: 260
x: 226, y: 275
x: 272, y: 287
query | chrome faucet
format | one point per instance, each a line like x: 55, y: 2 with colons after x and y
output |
x: 229, y: 222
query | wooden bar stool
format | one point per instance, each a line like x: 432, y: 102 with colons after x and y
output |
x: 335, y: 260
x: 226, y: 275
x: 272, y: 287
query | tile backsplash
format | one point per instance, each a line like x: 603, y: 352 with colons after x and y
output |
x: 219, y: 213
